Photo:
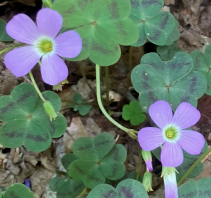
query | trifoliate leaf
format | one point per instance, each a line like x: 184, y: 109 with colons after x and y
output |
x: 102, y: 25
x: 25, y: 121
x: 171, y: 81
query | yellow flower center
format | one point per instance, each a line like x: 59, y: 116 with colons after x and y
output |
x: 171, y: 132
x: 45, y: 46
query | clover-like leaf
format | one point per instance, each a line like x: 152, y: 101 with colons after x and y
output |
x: 94, y: 167
x: 157, y: 26
x: 3, y: 34
x: 112, y: 165
x: 196, y: 189
x: 18, y: 191
x: 25, y: 121
x: 102, y: 25
x: 202, y: 63
x: 79, y: 105
x: 133, y: 112
x: 168, y: 52
x: 172, y: 80
x: 66, y: 187
x: 93, y: 149
x: 125, y: 189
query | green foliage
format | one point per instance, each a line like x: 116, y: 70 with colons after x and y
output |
x: 168, y: 52
x: 79, y: 105
x: 202, y: 63
x: 157, y: 26
x: 25, y: 121
x: 102, y: 25
x: 66, y: 187
x: 133, y: 112
x: 125, y: 189
x: 4, y: 37
x: 68, y: 159
x: 172, y: 80
x: 62, y: 184
x: 196, y: 189
x: 18, y: 191
x: 98, y: 159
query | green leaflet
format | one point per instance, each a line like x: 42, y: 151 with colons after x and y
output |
x: 66, y: 187
x: 125, y: 189
x: 4, y: 37
x: 202, y: 63
x: 102, y: 25
x: 79, y: 105
x: 18, y: 191
x: 157, y: 26
x: 133, y: 112
x: 25, y: 121
x: 172, y: 80
x: 167, y: 52
x: 196, y: 189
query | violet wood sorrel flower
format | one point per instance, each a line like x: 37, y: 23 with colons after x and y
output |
x: 171, y: 133
x: 43, y: 43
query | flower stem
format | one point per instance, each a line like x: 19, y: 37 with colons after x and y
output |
x: 82, y: 193
x: 193, y: 166
x: 10, y: 48
x: 47, y: 3
x: 130, y: 132
x: 107, y: 85
x: 139, y: 166
x: 36, y: 87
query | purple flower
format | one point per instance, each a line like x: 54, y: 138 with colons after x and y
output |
x: 170, y: 133
x: 170, y: 182
x: 43, y: 43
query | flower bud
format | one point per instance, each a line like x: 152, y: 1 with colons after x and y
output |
x: 49, y: 109
x: 170, y: 182
x: 148, y: 159
x: 147, y: 181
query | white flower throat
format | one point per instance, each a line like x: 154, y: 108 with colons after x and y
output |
x: 171, y: 133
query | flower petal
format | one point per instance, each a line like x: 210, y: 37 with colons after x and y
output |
x: 21, y: 60
x: 171, y: 155
x: 150, y: 138
x: 49, y: 22
x: 186, y: 115
x: 191, y: 141
x: 53, y: 69
x: 161, y: 113
x: 68, y: 44
x: 22, y: 29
